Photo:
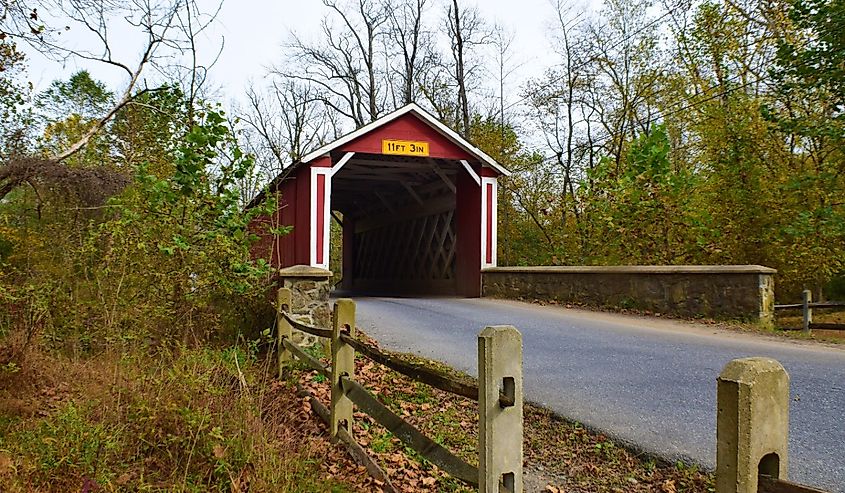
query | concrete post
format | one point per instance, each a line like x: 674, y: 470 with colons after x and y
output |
x: 767, y: 299
x: 500, y: 422
x: 752, y: 424
x: 808, y: 312
x: 343, y: 364
x: 283, y: 327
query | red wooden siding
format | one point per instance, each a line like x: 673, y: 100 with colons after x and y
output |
x: 468, y: 253
x: 489, y: 172
x: 290, y: 249
x: 301, y: 234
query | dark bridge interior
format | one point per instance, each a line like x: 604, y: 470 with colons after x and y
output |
x: 399, y: 224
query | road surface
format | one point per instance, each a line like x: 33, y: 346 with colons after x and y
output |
x: 647, y: 382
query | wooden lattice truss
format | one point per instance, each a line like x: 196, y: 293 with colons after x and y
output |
x: 422, y: 249
x: 404, y: 213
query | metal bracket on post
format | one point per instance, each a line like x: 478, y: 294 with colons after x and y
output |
x: 752, y: 424
x: 343, y: 364
x: 500, y: 410
x: 283, y: 327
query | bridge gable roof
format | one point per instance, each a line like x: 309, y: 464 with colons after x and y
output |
x: 410, y: 122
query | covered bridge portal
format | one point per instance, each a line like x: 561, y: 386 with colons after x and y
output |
x: 417, y: 205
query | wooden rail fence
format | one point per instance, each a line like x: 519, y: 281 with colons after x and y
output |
x: 499, y: 396
x: 768, y: 484
x: 807, y: 305
x: 752, y: 395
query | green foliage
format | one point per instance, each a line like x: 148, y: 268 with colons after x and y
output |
x: 204, y: 433
x: 810, y: 109
x: 149, y: 130
x: 639, y: 208
x: 14, y: 96
x: 811, y: 65
x: 167, y: 257
x: 80, y: 95
x: 69, y: 109
x: 185, y: 234
x: 746, y: 163
x: 68, y: 444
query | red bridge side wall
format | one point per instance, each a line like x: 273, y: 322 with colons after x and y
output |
x: 468, y: 252
x: 294, y: 197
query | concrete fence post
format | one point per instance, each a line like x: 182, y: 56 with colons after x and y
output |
x: 284, y: 330
x: 808, y: 312
x: 500, y: 420
x: 343, y: 364
x: 752, y: 424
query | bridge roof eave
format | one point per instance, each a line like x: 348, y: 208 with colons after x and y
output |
x: 423, y: 115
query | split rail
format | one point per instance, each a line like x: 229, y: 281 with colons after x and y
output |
x: 498, y: 393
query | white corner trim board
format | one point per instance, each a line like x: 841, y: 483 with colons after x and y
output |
x: 320, y: 217
x: 489, y: 217
x: 471, y: 172
x: 345, y: 159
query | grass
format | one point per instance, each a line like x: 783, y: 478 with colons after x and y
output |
x: 792, y: 319
x: 785, y: 321
x: 214, y: 419
x: 183, y: 420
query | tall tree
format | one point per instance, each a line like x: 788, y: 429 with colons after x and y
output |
x: 287, y: 119
x: 70, y: 109
x: 625, y: 60
x: 413, y: 43
x: 556, y: 101
x: 14, y: 96
x: 467, y: 32
x: 810, y: 108
x: 346, y: 65
x: 157, y: 24
x: 80, y: 95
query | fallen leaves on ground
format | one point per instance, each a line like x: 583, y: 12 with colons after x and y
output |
x: 291, y: 416
x: 564, y: 456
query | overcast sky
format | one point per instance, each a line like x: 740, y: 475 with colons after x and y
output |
x: 255, y: 32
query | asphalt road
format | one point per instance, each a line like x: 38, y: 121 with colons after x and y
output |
x: 648, y: 382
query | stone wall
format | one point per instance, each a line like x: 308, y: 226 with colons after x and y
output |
x: 743, y: 292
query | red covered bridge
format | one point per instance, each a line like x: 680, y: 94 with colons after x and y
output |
x: 416, y: 201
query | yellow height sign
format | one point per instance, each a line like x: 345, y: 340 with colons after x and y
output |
x: 404, y: 147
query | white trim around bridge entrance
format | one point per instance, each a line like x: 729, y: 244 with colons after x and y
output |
x: 489, y: 217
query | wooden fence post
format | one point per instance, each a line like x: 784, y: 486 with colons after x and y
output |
x: 283, y: 327
x: 343, y: 364
x: 500, y: 409
x: 808, y: 312
x: 752, y: 424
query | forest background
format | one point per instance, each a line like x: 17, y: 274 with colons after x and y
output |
x: 682, y: 132
x: 661, y: 132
